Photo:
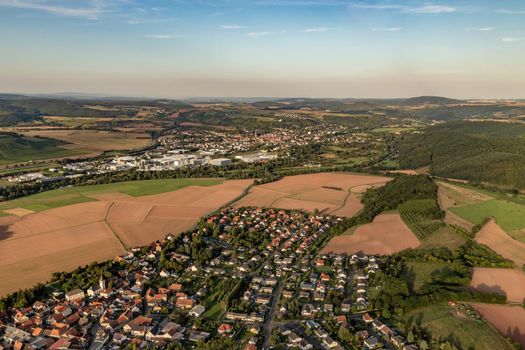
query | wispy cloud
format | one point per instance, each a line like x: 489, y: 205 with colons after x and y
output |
x: 389, y: 29
x: 426, y: 9
x: 509, y: 39
x: 480, y: 29
x: 257, y: 35
x: 377, y: 6
x: 431, y: 9
x: 92, y: 10
x: 232, y: 26
x: 316, y: 30
x: 163, y: 36
x: 511, y: 12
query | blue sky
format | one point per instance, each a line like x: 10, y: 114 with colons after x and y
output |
x: 311, y: 48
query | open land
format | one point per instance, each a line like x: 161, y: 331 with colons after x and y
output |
x: 447, y: 322
x: 71, y: 195
x: 35, y: 244
x: 387, y: 234
x: 509, y: 320
x: 509, y: 216
x: 17, y: 149
x: 443, y: 237
x: 507, y: 282
x: 328, y: 192
x: 498, y: 240
x: 95, y: 140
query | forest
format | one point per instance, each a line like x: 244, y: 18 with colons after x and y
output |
x: 488, y: 152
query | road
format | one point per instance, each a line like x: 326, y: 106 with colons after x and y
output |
x: 269, y: 324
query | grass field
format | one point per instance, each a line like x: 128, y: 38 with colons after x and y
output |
x: 467, y: 333
x: 17, y: 149
x: 73, y: 195
x: 214, y: 307
x: 392, y: 130
x: 443, y: 237
x: 510, y: 216
x: 419, y: 273
x: 96, y: 140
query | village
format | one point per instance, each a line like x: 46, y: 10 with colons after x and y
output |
x: 250, y: 274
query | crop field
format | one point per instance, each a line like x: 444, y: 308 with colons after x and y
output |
x: 386, y: 235
x: 419, y: 216
x: 509, y: 216
x: 509, y: 320
x: 95, y: 140
x: 498, y: 240
x: 327, y: 192
x: 507, y: 282
x: 17, y: 149
x: 72, y: 195
x: 108, y: 225
x: 445, y: 322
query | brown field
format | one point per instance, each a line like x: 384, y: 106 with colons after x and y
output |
x: 310, y: 192
x: 450, y: 196
x: 459, y: 195
x: 508, y: 320
x: 507, y: 282
x: 37, y: 244
x: 403, y: 171
x: 387, y: 234
x: 18, y: 211
x: 95, y: 140
x: 498, y: 240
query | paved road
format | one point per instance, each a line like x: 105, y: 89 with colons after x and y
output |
x: 269, y: 324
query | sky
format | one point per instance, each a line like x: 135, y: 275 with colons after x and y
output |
x: 264, y: 48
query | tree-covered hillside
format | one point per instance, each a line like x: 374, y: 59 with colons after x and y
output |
x: 490, y: 152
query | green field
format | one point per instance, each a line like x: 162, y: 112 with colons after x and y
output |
x: 465, y: 332
x: 214, y: 306
x: 443, y: 237
x: 72, y: 195
x: 392, y: 130
x: 419, y: 273
x: 509, y: 216
x: 18, y: 149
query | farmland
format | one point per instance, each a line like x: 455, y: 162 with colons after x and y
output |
x: 507, y: 282
x: 327, y: 192
x: 510, y: 216
x: 37, y: 242
x: 446, y: 322
x: 95, y: 140
x: 18, y: 149
x: 445, y: 236
x: 387, y: 234
x: 498, y: 240
x: 509, y: 320
x: 72, y: 195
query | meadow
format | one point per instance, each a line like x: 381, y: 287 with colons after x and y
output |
x: 442, y: 322
x: 18, y: 149
x: 510, y: 216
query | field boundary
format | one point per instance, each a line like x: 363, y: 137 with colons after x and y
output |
x: 111, y: 228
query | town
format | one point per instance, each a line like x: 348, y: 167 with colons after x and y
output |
x: 192, y: 147
x: 251, y: 276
